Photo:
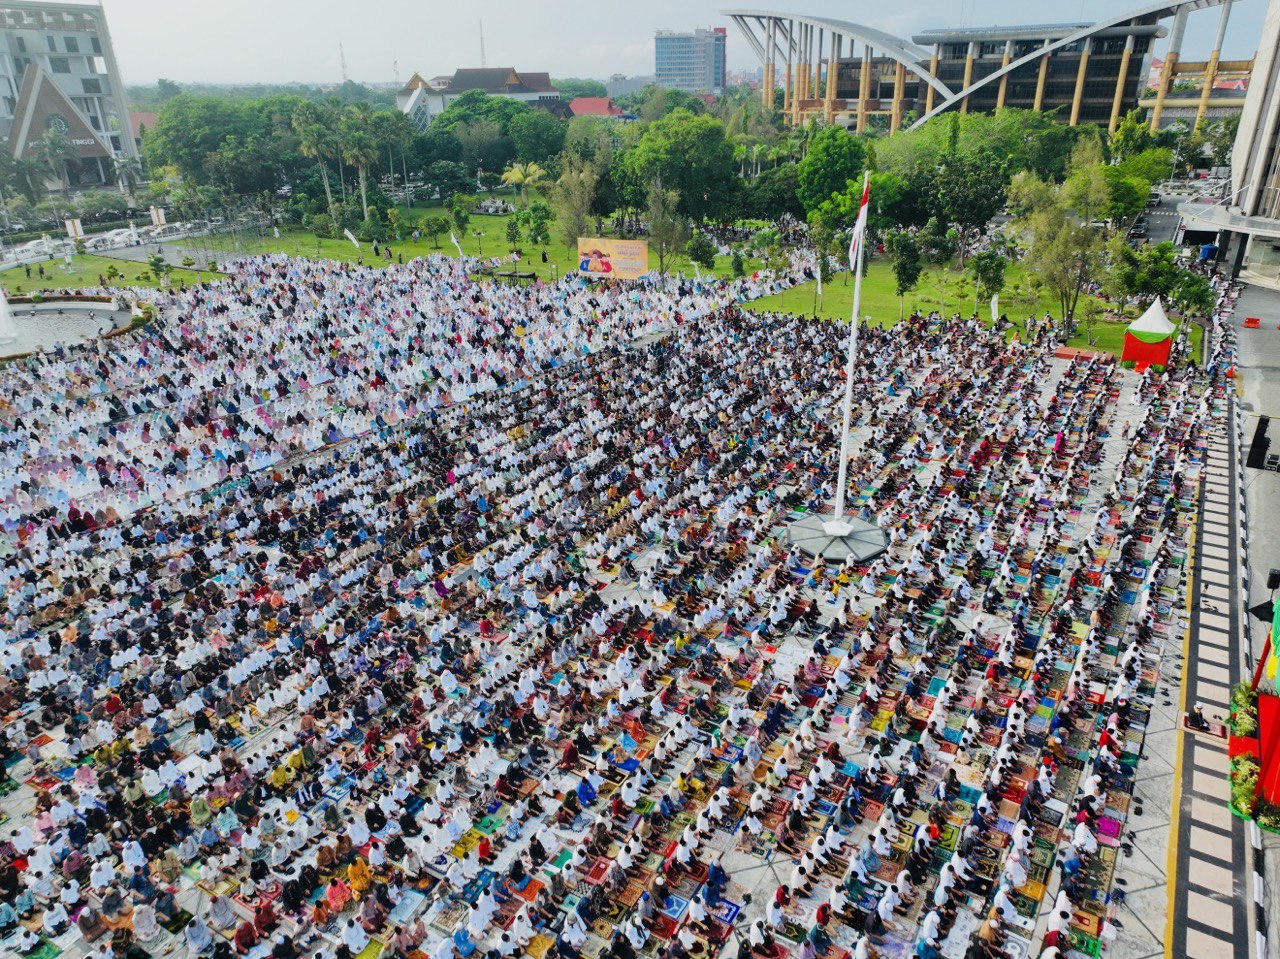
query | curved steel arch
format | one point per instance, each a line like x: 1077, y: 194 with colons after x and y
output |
x: 912, y: 57
x: 1159, y: 9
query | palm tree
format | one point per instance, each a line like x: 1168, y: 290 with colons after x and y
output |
x: 359, y: 148
x: 23, y: 177
x: 315, y: 140
x: 128, y: 171
x: 55, y: 149
x: 523, y: 175
x: 360, y: 151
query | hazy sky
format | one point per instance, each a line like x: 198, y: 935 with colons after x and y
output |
x: 284, y: 40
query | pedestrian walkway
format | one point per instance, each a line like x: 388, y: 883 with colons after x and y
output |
x: 1210, y: 892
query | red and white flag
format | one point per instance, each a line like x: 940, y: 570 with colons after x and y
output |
x: 860, y: 228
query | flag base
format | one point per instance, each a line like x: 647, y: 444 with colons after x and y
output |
x: 838, y: 540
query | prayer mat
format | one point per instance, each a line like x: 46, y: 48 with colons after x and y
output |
x: 45, y: 949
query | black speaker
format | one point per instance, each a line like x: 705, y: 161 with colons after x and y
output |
x: 1257, y: 456
x: 1273, y: 579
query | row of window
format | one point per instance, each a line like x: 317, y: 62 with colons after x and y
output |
x: 69, y: 44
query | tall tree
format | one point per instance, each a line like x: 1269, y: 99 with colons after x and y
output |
x: 668, y: 227
x: 691, y: 155
x: 969, y: 191
x: 360, y: 150
x: 536, y: 136
x: 571, y: 195
x: 904, y: 255
x: 1064, y: 249
x: 834, y: 159
x: 315, y: 141
x: 1133, y: 136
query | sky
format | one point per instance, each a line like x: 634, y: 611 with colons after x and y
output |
x: 278, y: 41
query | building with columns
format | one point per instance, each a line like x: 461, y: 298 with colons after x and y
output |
x: 1080, y: 72
x: 1245, y: 223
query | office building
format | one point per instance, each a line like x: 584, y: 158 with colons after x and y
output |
x: 1079, y: 72
x: 620, y: 86
x: 693, y: 62
x: 58, y: 73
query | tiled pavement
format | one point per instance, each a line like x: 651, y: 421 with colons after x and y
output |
x: 1212, y: 889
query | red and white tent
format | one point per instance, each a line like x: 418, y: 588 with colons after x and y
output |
x: 1149, y: 338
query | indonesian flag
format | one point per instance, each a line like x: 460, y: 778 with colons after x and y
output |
x: 860, y: 228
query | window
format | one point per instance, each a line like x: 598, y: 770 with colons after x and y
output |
x: 59, y: 64
x: 92, y: 86
x: 72, y: 45
x: 95, y: 44
x: 22, y: 44
x: 53, y: 44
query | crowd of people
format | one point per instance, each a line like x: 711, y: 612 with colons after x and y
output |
x: 357, y: 611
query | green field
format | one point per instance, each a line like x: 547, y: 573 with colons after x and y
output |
x: 86, y: 271
x: 948, y: 291
x: 493, y: 242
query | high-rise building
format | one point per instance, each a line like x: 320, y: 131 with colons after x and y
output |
x: 58, y: 74
x: 1246, y: 222
x: 693, y: 61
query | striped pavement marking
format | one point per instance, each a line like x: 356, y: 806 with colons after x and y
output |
x: 1209, y: 890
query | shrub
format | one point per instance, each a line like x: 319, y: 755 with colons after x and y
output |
x: 37, y: 297
x: 1244, y: 722
x: 1267, y: 815
x: 188, y: 261
x: 1244, y: 784
x: 1244, y: 710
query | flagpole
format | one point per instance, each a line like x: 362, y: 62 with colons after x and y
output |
x: 843, y: 472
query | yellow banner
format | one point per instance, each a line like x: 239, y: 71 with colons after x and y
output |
x: 613, y: 259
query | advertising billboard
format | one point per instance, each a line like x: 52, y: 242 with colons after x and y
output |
x: 613, y: 259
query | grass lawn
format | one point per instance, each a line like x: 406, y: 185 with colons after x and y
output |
x: 493, y: 242
x: 944, y: 289
x: 85, y: 271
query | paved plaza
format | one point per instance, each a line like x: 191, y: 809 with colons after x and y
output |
x: 405, y: 615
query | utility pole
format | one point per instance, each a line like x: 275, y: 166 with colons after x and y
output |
x: 342, y: 55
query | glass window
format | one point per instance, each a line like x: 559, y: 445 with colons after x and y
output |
x: 22, y: 44
x: 72, y: 45
x: 59, y: 64
x: 53, y: 44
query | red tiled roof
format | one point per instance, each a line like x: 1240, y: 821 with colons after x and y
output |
x: 594, y: 107
x: 139, y: 120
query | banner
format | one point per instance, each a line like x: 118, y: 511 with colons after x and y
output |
x: 613, y: 259
x: 74, y: 230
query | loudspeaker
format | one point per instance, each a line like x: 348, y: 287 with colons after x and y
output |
x: 1273, y: 579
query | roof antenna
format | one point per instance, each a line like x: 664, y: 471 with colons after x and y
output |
x: 395, y: 72
x: 342, y: 55
x: 483, y: 62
